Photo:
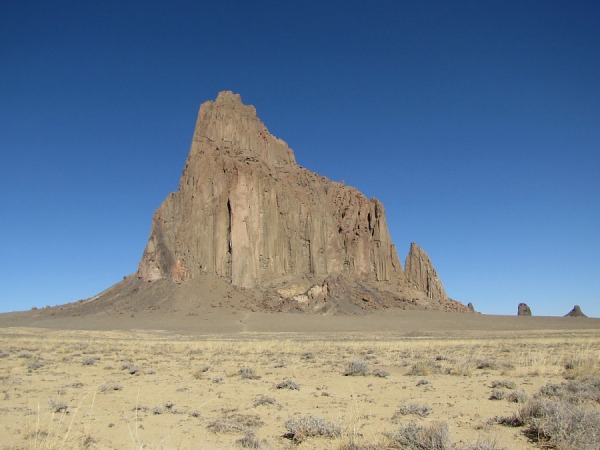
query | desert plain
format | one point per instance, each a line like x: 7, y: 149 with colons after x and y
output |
x: 240, y: 379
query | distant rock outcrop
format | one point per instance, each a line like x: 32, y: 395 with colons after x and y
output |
x: 246, y: 212
x: 523, y: 310
x: 471, y: 307
x: 575, y: 312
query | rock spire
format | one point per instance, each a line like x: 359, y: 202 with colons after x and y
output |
x: 523, y: 310
x: 575, y: 312
x: 421, y: 274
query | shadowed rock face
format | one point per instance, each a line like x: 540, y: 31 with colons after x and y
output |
x: 575, y: 312
x: 523, y: 310
x: 248, y: 213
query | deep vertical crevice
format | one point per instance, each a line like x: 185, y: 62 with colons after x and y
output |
x: 229, y: 243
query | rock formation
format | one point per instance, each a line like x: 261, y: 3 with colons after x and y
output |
x: 523, y: 310
x: 248, y: 213
x: 575, y: 312
x: 421, y: 274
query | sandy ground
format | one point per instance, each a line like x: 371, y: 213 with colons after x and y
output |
x: 228, y: 379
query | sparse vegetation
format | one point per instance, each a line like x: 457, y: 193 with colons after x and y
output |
x: 248, y: 373
x: 111, y: 386
x: 498, y: 394
x: 89, y: 360
x: 248, y: 441
x: 518, y: 396
x: 57, y: 405
x: 235, y: 423
x: 356, y: 367
x: 264, y: 400
x: 105, y: 407
x: 507, y: 384
x: 415, y: 409
x: 414, y: 436
x: 422, y: 369
x: 380, y: 373
x: 130, y: 367
x: 288, y: 384
x: 300, y: 428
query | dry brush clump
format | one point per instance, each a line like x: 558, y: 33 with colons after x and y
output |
x: 248, y: 373
x: 563, y: 416
x: 300, y: 428
x: 356, y: 368
x: 415, y: 436
x: 412, y: 408
x: 235, y: 423
x: 288, y: 384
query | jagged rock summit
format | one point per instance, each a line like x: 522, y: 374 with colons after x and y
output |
x: 247, y: 213
x: 575, y: 312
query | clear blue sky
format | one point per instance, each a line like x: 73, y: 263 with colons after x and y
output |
x: 476, y: 123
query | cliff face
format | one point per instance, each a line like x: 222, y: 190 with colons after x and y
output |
x: 247, y: 212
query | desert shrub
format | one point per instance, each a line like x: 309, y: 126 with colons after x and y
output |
x: 89, y: 360
x: 578, y: 366
x: 3, y: 353
x: 483, y: 444
x: 517, y: 397
x: 498, y: 394
x: 559, y: 417
x: 198, y: 374
x: 300, y: 428
x: 307, y: 355
x: 415, y: 409
x: 422, y: 382
x: 57, y: 405
x: 576, y: 391
x: 217, y: 380
x: 422, y: 368
x: 110, y: 386
x: 264, y: 400
x: 564, y: 425
x: 288, y: 384
x: 413, y: 436
x: 487, y: 363
x: 130, y: 367
x: 351, y: 445
x: 248, y: 441
x: 381, y: 373
x: 235, y: 423
x: 247, y: 373
x: 503, y: 384
x: 34, y: 364
x: 356, y: 367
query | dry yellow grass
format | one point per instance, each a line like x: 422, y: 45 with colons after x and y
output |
x: 142, y: 389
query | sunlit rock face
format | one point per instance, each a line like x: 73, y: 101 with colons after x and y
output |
x: 247, y: 212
